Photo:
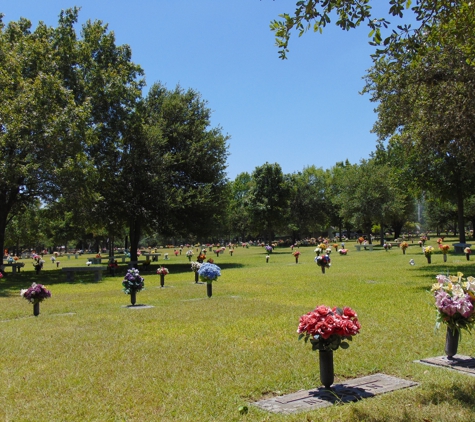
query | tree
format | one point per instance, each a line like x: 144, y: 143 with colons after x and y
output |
x: 308, y: 202
x: 42, y: 126
x: 317, y: 14
x: 269, y: 200
x: 238, y: 211
x: 427, y: 99
x: 189, y: 165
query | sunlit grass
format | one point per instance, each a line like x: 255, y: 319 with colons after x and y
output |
x: 88, y: 357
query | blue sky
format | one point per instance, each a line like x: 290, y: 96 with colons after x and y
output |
x: 303, y: 111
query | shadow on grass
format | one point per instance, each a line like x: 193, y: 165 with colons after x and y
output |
x: 442, y: 268
x: 13, y: 283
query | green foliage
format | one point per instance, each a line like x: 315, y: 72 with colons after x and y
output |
x: 457, y: 16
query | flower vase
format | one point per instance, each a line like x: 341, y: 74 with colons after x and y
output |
x: 133, y: 296
x: 404, y: 252
x: 162, y: 280
x: 327, y: 375
x: 36, y: 308
x: 296, y: 259
x: 445, y: 257
x: 209, y: 289
x: 428, y: 259
x: 451, y: 342
x: 323, y: 269
x: 467, y: 255
x: 196, y: 277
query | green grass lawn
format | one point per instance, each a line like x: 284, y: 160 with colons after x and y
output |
x: 88, y: 357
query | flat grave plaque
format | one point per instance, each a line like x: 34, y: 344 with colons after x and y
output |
x: 461, y: 363
x: 350, y: 391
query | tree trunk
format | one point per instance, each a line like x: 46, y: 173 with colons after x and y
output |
x: 460, y: 219
x: 134, y: 233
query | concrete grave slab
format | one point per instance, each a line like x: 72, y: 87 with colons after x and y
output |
x: 461, y: 363
x: 350, y: 391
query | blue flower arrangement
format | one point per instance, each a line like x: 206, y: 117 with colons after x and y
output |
x: 209, y: 272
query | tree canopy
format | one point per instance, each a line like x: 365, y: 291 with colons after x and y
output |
x: 385, y: 35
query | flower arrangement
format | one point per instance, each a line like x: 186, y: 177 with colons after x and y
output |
x: 36, y: 293
x: 387, y: 246
x: 342, y: 252
x: 454, y: 299
x: 444, y: 248
x: 165, y: 255
x: 335, y: 245
x: 195, y: 266
x: 296, y: 254
x: 163, y: 271
x: 269, y: 249
x: 318, y: 250
x: 467, y: 251
x: 209, y: 272
x: 404, y: 245
x: 327, y: 328
x: 360, y: 240
x: 428, y: 250
x: 189, y: 253
x: 323, y: 261
x: 133, y: 281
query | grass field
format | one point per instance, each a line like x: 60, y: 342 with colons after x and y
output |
x: 88, y: 357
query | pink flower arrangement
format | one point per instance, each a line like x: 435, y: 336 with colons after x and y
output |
x: 296, y: 254
x: 162, y: 270
x: 454, y: 299
x: 343, y: 251
x: 327, y: 328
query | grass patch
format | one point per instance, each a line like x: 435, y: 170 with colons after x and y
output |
x: 190, y: 358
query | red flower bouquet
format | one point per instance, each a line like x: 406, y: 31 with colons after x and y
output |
x: 327, y: 328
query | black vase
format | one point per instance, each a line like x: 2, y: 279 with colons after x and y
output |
x: 327, y: 375
x: 467, y: 255
x: 209, y: 289
x: 162, y: 280
x: 196, y: 276
x: 36, y: 308
x: 323, y: 269
x: 133, y: 296
x: 451, y: 342
x: 428, y: 259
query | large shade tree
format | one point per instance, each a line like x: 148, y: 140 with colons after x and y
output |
x: 43, y: 125
x: 427, y: 98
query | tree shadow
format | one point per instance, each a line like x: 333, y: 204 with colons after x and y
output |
x: 11, y: 284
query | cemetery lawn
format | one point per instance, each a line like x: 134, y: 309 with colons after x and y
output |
x: 88, y: 357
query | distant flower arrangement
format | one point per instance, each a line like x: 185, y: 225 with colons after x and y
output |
x: 195, y: 266
x: 428, y: 250
x: 133, y: 281
x: 36, y: 293
x: 209, y: 272
x: 163, y: 270
x: 323, y: 261
x: 296, y: 254
x: 343, y: 251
